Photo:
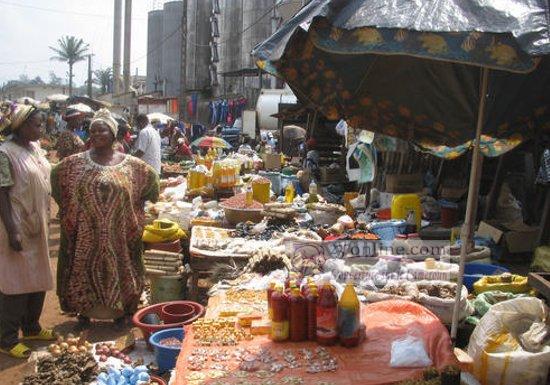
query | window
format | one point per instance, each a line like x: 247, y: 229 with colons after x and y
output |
x: 214, y: 26
x: 216, y: 7
x: 214, y: 52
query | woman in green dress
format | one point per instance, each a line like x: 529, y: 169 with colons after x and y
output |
x: 101, y: 195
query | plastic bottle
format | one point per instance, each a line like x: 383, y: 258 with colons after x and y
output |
x: 270, y: 290
x: 289, y: 193
x: 279, y: 321
x: 313, y: 198
x: 311, y: 300
x: 327, y: 315
x: 298, y: 316
x: 349, y: 317
x: 249, y: 198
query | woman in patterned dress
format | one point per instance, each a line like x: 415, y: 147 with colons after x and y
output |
x: 101, y: 195
x: 25, y: 273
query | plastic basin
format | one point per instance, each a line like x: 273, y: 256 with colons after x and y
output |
x: 166, y: 356
x: 158, y: 380
x: 177, y: 312
x: 147, y: 329
x: 475, y: 271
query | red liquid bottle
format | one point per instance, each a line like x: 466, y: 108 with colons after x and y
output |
x: 298, y: 316
x: 279, y: 321
x: 327, y: 315
x: 270, y: 290
x: 312, y: 313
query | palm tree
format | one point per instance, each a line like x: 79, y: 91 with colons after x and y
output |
x: 104, y: 77
x: 70, y: 50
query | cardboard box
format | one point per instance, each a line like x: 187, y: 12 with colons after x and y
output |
x: 272, y: 161
x: 516, y: 237
x: 403, y: 183
x: 333, y: 175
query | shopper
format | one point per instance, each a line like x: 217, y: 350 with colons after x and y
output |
x: 101, y: 195
x: 147, y: 146
x: 25, y: 274
x: 69, y: 143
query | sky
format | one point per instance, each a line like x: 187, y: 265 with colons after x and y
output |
x: 29, y: 27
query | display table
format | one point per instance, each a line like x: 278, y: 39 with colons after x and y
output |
x: 367, y: 364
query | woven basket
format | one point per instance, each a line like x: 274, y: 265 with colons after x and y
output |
x: 234, y: 216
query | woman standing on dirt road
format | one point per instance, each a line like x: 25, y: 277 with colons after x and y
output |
x: 25, y: 275
x: 101, y: 195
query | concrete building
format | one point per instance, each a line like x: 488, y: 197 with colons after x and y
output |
x: 154, y: 51
x: 171, y: 47
x: 38, y: 92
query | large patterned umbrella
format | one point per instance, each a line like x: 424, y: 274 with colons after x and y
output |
x: 211, y: 142
x: 435, y: 72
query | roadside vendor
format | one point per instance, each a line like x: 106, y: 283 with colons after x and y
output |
x: 311, y: 161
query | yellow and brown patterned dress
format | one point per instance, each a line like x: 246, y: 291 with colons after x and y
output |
x: 102, y: 219
x: 69, y: 144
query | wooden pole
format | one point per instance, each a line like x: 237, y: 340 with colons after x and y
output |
x: 471, y: 205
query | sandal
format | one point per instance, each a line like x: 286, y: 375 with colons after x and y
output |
x: 43, y: 335
x: 18, y: 351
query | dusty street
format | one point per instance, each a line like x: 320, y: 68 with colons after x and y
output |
x: 12, y: 370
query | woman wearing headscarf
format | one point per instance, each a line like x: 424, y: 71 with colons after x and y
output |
x: 101, y: 195
x: 25, y: 273
x: 69, y: 142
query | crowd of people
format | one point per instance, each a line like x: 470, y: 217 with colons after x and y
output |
x: 100, y: 190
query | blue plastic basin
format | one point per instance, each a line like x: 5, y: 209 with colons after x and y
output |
x: 166, y: 356
x: 475, y: 271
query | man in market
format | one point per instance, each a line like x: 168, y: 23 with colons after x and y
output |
x: 69, y: 143
x: 148, y: 143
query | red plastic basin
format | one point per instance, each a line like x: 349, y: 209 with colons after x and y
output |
x: 177, y: 312
x: 147, y: 329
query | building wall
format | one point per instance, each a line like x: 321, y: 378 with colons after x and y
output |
x: 198, y: 45
x: 171, y: 47
x: 154, y: 50
x: 37, y: 92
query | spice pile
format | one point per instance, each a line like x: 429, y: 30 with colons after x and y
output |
x: 258, y: 363
x: 65, y: 369
x: 239, y: 202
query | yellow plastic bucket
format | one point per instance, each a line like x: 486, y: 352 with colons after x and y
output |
x: 402, y: 204
x: 260, y: 191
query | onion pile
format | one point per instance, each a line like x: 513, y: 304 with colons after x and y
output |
x: 69, y: 344
x: 107, y: 350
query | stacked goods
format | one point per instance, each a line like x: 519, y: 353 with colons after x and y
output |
x: 163, y: 263
x: 266, y: 259
x: 282, y: 211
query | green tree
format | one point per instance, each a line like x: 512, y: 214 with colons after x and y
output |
x: 55, y: 80
x: 70, y: 50
x: 104, y: 78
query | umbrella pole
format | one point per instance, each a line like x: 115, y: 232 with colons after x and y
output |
x: 471, y: 205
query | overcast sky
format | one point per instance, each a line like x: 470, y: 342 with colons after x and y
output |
x: 29, y: 27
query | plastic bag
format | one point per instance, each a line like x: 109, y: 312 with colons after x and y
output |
x: 409, y: 352
x: 499, y: 358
